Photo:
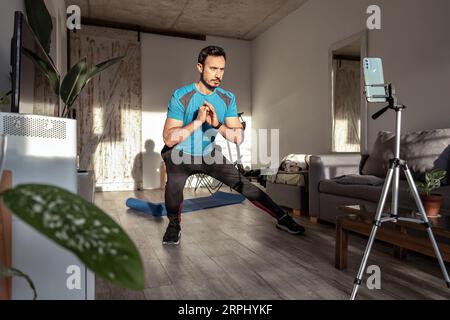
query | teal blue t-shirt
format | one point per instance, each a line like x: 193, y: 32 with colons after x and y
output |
x: 184, y: 106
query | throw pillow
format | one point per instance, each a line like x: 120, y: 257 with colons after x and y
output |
x: 426, y: 150
x: 423, y: 150
x: 383, y: 150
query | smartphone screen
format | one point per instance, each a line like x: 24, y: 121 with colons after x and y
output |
x: 373, y: 75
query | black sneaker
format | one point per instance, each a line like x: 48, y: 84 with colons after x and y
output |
x: 173, y: 234
x: 288, y: 224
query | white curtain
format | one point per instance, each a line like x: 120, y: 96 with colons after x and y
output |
x: 347, y: 106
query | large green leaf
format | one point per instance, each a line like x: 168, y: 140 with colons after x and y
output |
x: 102, y: 66
x: 11, y: 272
x: 49, y: 71
x: 72, y: 222
x: 40, y: 21
x: 92, y: 72
x: 74, y: 82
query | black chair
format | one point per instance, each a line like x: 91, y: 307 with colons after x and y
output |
x: 203, y: 180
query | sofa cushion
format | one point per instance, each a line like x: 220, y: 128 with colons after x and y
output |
x: 377, y: 164
x: 363, y: 192
x: 364, y: 180
x: 373, y: 193
x: 424, y: 151
x: 369, y: 193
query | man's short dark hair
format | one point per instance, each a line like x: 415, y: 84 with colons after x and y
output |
x: 211, y: 51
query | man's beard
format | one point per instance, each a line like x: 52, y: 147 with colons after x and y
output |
x: 208, y: 86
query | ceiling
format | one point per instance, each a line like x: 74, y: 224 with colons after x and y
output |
x: 239, y: 19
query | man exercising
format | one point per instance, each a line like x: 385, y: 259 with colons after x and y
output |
x: 196, y: 113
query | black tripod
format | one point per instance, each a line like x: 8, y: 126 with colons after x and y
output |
x: 393, y: 176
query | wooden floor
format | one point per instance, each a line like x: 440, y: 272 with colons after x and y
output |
x: 236, y: 252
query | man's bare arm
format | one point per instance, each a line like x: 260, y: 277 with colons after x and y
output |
x: 232, y: 130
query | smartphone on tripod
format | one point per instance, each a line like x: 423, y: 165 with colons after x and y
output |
x: 375, y: 88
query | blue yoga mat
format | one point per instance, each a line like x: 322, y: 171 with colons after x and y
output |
x: 218, y: 199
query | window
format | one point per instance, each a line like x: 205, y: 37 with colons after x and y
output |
x: 346, y: 104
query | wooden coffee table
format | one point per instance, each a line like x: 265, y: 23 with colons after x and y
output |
x: 402, y: 235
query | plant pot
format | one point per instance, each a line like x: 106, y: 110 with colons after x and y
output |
x: 432, y: 204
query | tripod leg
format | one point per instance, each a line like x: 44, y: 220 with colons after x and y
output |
x: 427, y: 224
x: 376, y: 225
x: 395, y: 187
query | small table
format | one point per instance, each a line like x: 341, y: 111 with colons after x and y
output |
x: 403, y: 235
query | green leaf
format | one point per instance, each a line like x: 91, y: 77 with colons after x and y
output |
x: 11, y: 272
x: 40, y: 21
x: 5, y: 100
x: 92, y: 72
x: 421, y: 185
x: 79, y: 226
x: 49, y: 71
x: 74, y: 82
x: 102, y: 66
x: 433, y: 181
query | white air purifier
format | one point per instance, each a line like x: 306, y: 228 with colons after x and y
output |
x: 42, y: 150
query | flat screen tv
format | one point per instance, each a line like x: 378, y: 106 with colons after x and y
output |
x: 32, y: 90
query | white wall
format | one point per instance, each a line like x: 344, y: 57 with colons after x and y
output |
x: 168, y: 63
x: 290, y: 71
x: 58, y: 50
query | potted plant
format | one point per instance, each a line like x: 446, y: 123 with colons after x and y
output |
x: 432, y: 202
x: 70, y: 87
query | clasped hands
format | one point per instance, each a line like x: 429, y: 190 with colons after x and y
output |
x: 207, y: 113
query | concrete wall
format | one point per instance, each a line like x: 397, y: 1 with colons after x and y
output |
x: 290, y: 71
x: 169, y: 63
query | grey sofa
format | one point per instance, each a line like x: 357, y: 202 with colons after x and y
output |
x: 423, y: 150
